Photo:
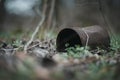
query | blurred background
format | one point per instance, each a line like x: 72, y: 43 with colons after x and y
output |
x: 24, y: 15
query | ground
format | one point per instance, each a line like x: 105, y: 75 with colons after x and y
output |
x: 43, y: 62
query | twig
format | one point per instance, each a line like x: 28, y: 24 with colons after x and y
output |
x: 8, y: 50
x: 106, y: 21
x: 86, y: 44
x: 44, y: 11
x: 33, y: 46
x: 35, y: 32
x: 49, y: 22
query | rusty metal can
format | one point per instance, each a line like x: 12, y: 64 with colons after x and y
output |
x: 92, y: 36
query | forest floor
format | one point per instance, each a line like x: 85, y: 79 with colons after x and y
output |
x: 43, y: 62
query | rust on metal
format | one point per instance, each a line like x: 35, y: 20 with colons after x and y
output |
x: 93, y: 36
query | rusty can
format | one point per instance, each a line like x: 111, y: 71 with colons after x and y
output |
x: 92, y: 36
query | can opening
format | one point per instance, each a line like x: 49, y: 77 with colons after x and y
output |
x: 67, y: 36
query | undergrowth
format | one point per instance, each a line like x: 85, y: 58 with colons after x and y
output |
x: 115, y: 42
x: 77, y: 52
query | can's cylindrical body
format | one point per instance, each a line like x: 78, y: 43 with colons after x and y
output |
x: 92, y: 36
